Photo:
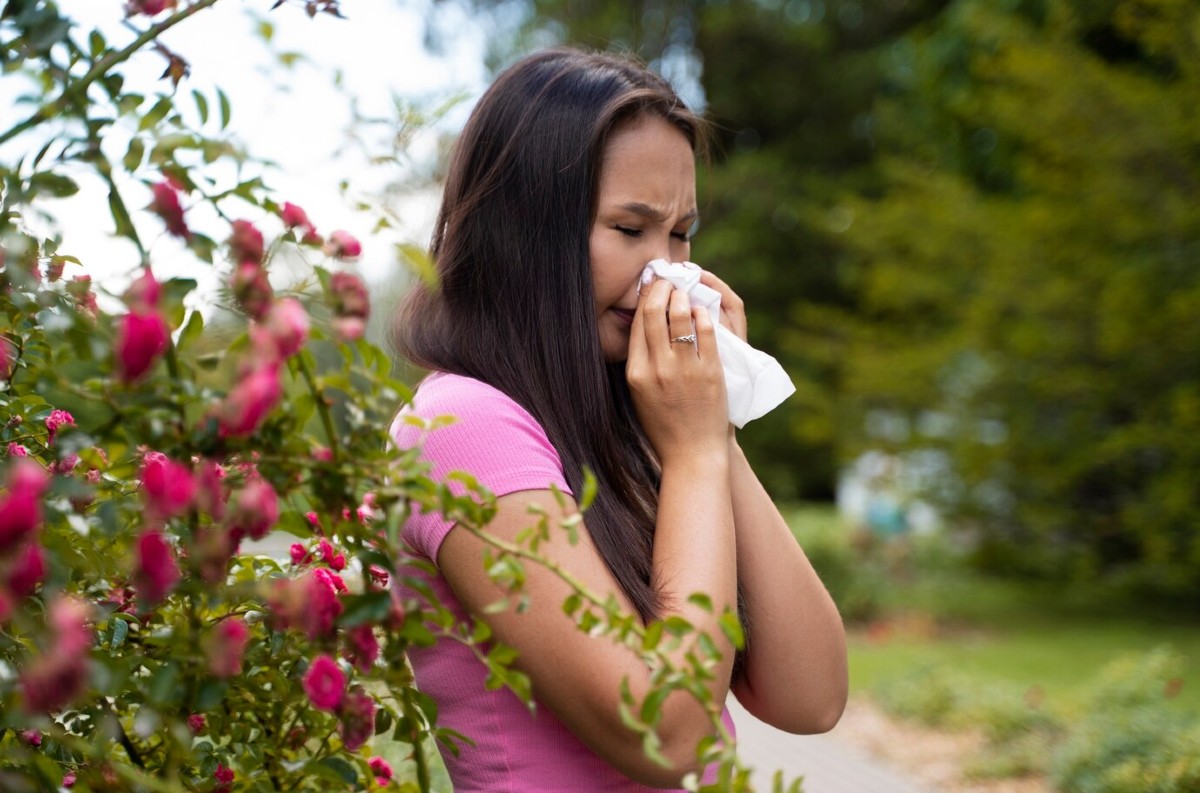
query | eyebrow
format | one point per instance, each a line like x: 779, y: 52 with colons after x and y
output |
x: 647, y: 211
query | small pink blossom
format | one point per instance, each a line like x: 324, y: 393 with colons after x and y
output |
x: 210, y: 492
x: 197, y: 723
x: 379, y: 576
x: 31, y: 737
x: 166, y: 203
x: 343, y: 245
x: 17, y: 450
x: 362, y: 648
x: 168, y: 486
x: 52, y: 680
x: 293, y: 216
x: 351, y: 305
x: 381, y: 769
x: 299, y: 554
x: 80, y: 288
x: 246, y: 243
x: 27, y: 571
x: 287, y: 324
x: 357, y: 723
x: 251, y: 289
x: 21, y: 506
x: 157, y: 572
x: 144, y: 293
x: 65, y: 465
x: 255, y: 509
x: 148, y: 7
x: 224, y: 777
x: 56, y: 420
x: 54, y: 270
x: 211, y: 551
x: 8, y: 358
x: 331, y: 580
x: 250, y: 401
x: 142, y: 338
x: 68, y: 779
x: 313, y: 519
x: 349, y: 329
x: 322, y: 454
x: 225, y: 647
x: 325, y: 684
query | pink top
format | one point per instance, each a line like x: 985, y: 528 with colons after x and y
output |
x: 515, y: 751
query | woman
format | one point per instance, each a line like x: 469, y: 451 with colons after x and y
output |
x: 555, y: 352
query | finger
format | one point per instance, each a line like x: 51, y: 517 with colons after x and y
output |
x: 652, y: 308
x: 679, y: 315
x: 732, y: 307
x: 706, y: 335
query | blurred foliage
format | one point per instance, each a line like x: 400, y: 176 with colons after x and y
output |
x: 966, y: 228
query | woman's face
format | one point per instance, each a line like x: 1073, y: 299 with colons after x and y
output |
x: 645, y: 210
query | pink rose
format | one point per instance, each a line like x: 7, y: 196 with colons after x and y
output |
x: 224, y: 777
x: 293, y: 216
x: 343, y: 245
x: 251, y: 289
x: 17, y: 450
x: 246, y: 243
x: 250, y: 401
x: 357, y: 723
x: 31, y: 737
x: 57, y: 419
x: 165, y: 203
x: 197, y: 723
x: 21, y: 506
x: 141, y: 340
x: 349, y: 329
x: 144, y: 293
x: 362, y: 648
x: 381, y: 769
x: 350, y: 298
x: 156, y: 573
x: 8, y: 358
x: 52, y: 680
x: 28, y: 570
x: 299, y: 554
x: 255, y: 509
x: 324, y: 683
x: 225, y: 647
x: 309, y: 603
x: 379, y: 577
x: 287, y: 324
x: 210, y: 492
x: 68, y: 779
x: 168, y: 486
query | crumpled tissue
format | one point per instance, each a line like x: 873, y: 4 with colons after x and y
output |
x: 755, y: 383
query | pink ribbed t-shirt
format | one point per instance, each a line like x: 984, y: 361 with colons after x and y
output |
x: 507, y: 451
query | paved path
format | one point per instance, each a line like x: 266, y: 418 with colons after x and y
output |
x: 827, y: 764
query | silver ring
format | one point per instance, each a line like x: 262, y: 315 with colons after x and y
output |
x: 688, y: 339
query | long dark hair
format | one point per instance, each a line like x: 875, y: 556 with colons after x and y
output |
x: 514, y: 305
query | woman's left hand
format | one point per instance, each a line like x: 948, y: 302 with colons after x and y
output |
x: 733, y: 310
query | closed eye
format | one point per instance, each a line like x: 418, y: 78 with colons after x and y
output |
x: 628, y: 232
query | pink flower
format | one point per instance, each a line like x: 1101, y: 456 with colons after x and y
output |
x: 49, y: 682
x: 343, y: 245
x: 293, y: 216
x: 350, y: 298
x: 287, y: 323
x: 251, y: 289
x: 309, y: 603
x: 211, y: 551
x: 332, y: 581
x: 57, y: 419
x: 324, y: 683
x: 21, y: 506
x: 80, y: 288
x: 322, y: 454
x: 17, y: 450
x: 8, y: 358
x: 349, y: 329
x: 381, y: 769
x: 379, y: 576
x: 250, y: 401
x: 246, y: 243
x: 65, y: 464
x: 54, y: 270
x: 31, y: 737
x: 27, y: 571
x: 148, y: 7
x: 224, y: 777
x: 144, y: 293
x: 165, y: 203
x: 196, y: 723
x: 225, y: 647
x: 299, y: 554
x: 210, y: 492
x: 141, y: 340
x: 313, y: 519
x: 157, y: 573
x: 168, y: 486
x: 362, y: 648
x: 255, y: 509
x: 357, y: 723
x: 68, y: 779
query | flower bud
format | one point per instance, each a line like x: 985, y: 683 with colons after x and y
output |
x: 381, y: 769
x: 141, y: 340
x: 255, y: 509
x: 167, y: 486
x: 251, y: 289
x: 357, y: 714
x: 287, y: 323
x: 165, y: 203
x: 250, y: 401
x: 343, y: 245
x: 21, y: 505
x: 144, y: 293
x: 246, y: 243
x: 8, y: 358
x: 156, y: 573
x: 225, y: 647
x: 293, y: 216
x: 27, y: 571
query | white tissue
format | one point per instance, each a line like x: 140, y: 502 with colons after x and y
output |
x: 755, y: 383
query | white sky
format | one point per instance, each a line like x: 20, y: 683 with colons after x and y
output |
x: 296, y: 117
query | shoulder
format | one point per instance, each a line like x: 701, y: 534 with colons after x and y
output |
x: 465, y: 407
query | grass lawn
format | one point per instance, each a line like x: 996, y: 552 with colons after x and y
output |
x: 1014, y: 632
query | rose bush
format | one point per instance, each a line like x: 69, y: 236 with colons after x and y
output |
x: 141, y: 647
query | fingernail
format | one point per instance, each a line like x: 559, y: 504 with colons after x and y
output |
x: 647, y: 275
x: 692, y: 266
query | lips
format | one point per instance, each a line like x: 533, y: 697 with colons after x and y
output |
x: 625, y: 314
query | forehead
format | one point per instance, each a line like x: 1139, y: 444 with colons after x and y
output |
x: 649, y: 160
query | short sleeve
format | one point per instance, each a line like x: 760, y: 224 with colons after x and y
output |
x: 493, y: 438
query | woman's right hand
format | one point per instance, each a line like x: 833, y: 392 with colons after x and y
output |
x: 678, y: 388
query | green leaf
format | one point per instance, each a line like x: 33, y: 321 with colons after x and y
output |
x: 201, y: 106
x: 133, y: 156
x: 702, y: 600
x: 191, y: 331
x: 53, y: 184
x: 369, y: 608
x: 120, y: 216
x: 341, y: 770
x: 96, y: 43
x: 731, y: 626
x: 155, y: 114
x: 589, y: 489
x: 223, y: 101
x: 118, y: 631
